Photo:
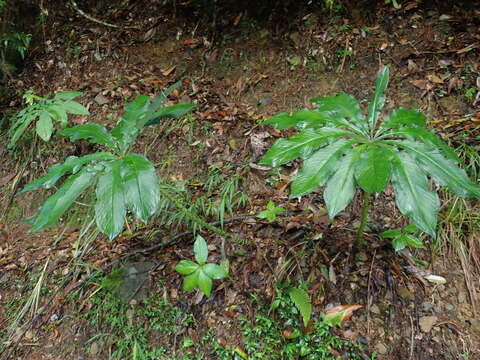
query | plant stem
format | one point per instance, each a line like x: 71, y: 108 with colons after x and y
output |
x: 363, y: 220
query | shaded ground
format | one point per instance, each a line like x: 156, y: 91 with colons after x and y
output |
x: 237, y: 77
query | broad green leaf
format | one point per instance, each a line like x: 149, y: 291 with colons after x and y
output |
x: 94, y: 133
x: 57, y: 203
x: 23, y: 124
x: 373, y: 169
x: 375, y: 107
x: 141, y: 186
x: 401, y: 118
x: 390, y: 234
x: 174, y: 111
x: 443, y: 171
x: 214, y: 271
x: 44, y: 126
x: 200, y: 250
x: 127, y: 128
x: 70, y: 164
x: 300, y: 145
x: 428, y: 138
x: 281, y: 121
x: 110, y: 206
x: 341, y: 186
x: 302, y: 301
x: 190, y: 281
x: 73, y: 107
x: 204, y: 283
x: 403, y: 240
x: 412, y: 194
x: 186, y: 267
x: 67, y: 95
x: 58, y: 113
x: 318, y: 168
x: 411, y: 228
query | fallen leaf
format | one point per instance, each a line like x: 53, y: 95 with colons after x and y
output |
x: 422, y: 84
x: 338, y: 314
x: 169, y: 71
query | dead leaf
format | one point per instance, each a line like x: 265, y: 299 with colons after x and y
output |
x: 339, y: 314
x: 435, y: 79
x: 169, y: 71
x: 422, y: 84
x: 6, y: 179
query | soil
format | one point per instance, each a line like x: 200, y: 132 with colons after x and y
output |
x: 238, y: 72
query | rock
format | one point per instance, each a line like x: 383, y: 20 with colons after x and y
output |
x: 94, y: 348
x: 462, y: 297
x: 374, y: 309
x: 382, y: 349
x: 404, y: 293
x: 101, y: 100
x: 426, y: 306
x: 427, y: 322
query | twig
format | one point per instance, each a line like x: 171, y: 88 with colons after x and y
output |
x: 91, y: 18
x: 412, y: 338
x: 369, y: 298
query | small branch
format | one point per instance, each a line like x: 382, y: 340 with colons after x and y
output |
x: 91, y: 18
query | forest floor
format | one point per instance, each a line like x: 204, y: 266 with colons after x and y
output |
x: 238, y: 76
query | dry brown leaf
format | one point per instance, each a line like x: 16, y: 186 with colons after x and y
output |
x: 422, y: 84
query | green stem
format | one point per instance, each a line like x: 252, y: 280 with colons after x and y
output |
x: 363, y: 220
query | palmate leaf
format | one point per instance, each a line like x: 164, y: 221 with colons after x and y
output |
x: 318, y: 168
x: 110, y: 207
x: 141, y: 186
x: 57, y: 203
x: 173, y: 112
x: 71, y: 164
x: 94, y: 133
x: 341, y: 186
x: 373, y: 169
x: 44, y: 125
x: 376, y: 105
x: 443, y: 171
x: 300, y: 145
x: 412, y: 194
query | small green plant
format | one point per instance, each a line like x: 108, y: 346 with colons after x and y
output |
x: 344, y: 150
x: 199, y: 274
x: 124, y: 180
x: 401, y: 238
x: 17, y: 41
x: 46, y: 111
x: 271, y: 212
x: 302, y: 301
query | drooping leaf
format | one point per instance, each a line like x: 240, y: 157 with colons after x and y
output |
x: 70, y: 164
x: 214, y: 271
x: 300, y: 145
x: 174, y: 111
x: 141, y: 186
x: 57, y: 203
x: 204, y: 283
x: 20, y: 126
x: 44, y: 125
x: 318, y: 168
x: 373, y: 169
x: 110, y: 206
x: 58, y: 113
x: 94, y: 133
x: 341, y: 186
x: 401, y: 118
x: 412, y: 194
x: 186, y: 267
x: 376, y: 105
x: 302, y: 301
x: 190, y: 281
x: 281, y: 121
x: 200, y: 250
x: 67, y: 95
x: 73, y: 107
x: 443, y: 171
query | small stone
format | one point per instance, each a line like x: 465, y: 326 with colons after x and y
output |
x: 404, y: 293
x: 94, y: 348
x: 101, y: 100
x: 427, y: 322
x: 382, y: 349
x: 449, y: 307
x: 374, y: 309
x: 462, y: 297
x: 475, y: 324
x: 426, y: 306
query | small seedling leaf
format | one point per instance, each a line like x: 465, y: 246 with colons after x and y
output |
x: 200, y: 250
x: 204, y: 283
x: 214, y: 271
x: 186, y: 267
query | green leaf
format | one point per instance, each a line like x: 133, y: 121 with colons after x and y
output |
x: 271, y: 213
x: 401, y: 118
x: 67, y: 95
x: 412, y: 194
x: 373, y: 169
x: 186, y: 267
x: 141, y: 186
x: 57, y: 203
x: 443, y: 171
x: 341, y: 186
x: 390, y: 234
x: 110, y: 206
x: 214, y: 271
x: 73, y: 107
x: 378, y: 100
x: 20, y: 126
x: 204, y: 283
x: 300, y: 145
x: 200, y: 250
x: 94, y: 133
x: 281, y: 121
x: 174, y: 111
x: 44, y: 126
x: 70, y: 164
x: 302, y: 301
x: 190, y: 281
x: 58, y: 113
x: 318, y: 168
x: 403, y: 240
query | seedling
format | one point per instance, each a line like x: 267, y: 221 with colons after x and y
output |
x: 271, y: 212
x: 343, y: 149
x: 199, y: 274
x: 402, y: 238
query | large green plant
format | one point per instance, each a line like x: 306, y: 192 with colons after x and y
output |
x: 124, y: 180
x: 343, y: 149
